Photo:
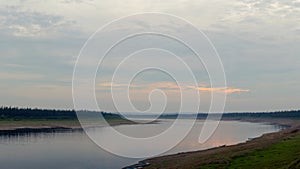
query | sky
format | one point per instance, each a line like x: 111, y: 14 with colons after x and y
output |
x: 257, y: 41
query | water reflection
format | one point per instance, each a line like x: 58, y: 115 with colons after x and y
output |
x: 228, y: 133
x: 26, y: 135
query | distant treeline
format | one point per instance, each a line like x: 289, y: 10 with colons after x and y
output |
x: 277, y: 114
x: 29, y: 113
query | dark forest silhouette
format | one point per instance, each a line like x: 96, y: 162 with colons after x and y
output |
x: 276, y: 114
x: 29, y: 113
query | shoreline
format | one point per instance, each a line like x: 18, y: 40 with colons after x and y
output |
x: 196, y: 159
x: 11, y: 126
x: 47, y: 125
x: 273, y: 121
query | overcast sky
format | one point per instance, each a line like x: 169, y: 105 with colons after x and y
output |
x: 258, y: 43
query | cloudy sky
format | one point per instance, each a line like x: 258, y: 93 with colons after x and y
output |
x: 257, y: 41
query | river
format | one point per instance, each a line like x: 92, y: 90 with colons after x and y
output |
x: 74, y: 150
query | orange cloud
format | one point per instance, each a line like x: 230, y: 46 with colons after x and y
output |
x: 233, y: 90
x: 170, y: 86
x: 160, y: 85
x: 208, y: 89
x: 226, y: 90
x: 110, y: 84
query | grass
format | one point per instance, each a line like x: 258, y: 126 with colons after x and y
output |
x: 282, y: 155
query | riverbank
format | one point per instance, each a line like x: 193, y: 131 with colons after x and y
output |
x: 27, y: 119
x: 257, y: 151
x: 46, y: 124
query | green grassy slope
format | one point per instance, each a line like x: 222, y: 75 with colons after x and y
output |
x: 282, y: 155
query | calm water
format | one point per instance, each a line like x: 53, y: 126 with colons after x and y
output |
x: 74, y: 150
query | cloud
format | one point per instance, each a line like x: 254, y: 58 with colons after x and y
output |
x: 233, y: 90
x: 268, y: 21
x: 169, y: 86
x: 21, y: 22
x: 257, y: 42
x: 110, y: 84
x: 158, y: 85
x: 226, y: 90
x: 20, y: 76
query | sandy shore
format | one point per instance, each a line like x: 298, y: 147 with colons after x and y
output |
x: 49, y: 124
x: 219, y: 154
x: 41, y: 125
